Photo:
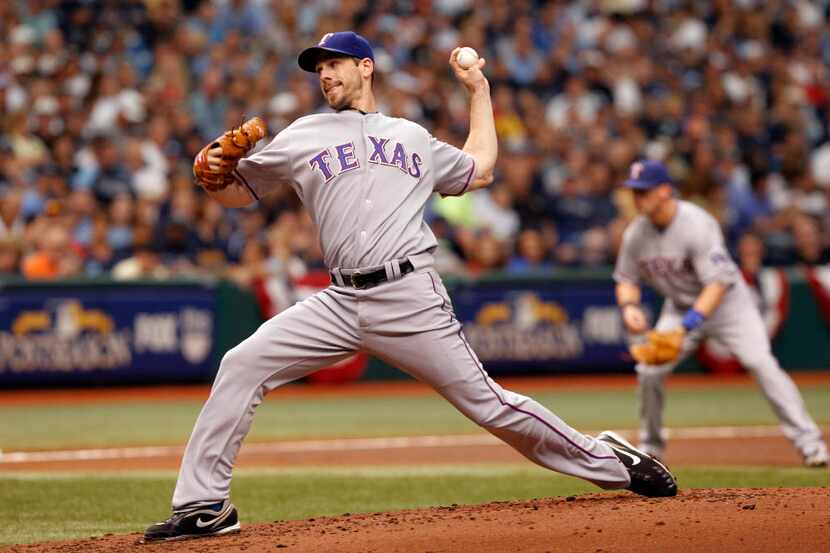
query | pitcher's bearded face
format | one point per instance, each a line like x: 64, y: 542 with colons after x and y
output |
x: 340, y: 81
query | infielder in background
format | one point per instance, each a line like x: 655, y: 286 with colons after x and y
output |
x: 678, y: 249
x: 365, y: 179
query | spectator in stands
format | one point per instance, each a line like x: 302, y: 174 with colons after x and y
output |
x: 52, y: 259
x: 807, y: 198
x: 12, y: 224
x: 750, y: 255
x: 252, y: 264
x: 518, y: 171
x: 531, y: 255
x: 107, y: 174
x: 577, y: 208
x: 809, y: 249
x: 28, y: 150
x: 121, y: 217
x: 179, y: 247
x: 209, y: 102
x: 493, y: 209
x: 145, y: 263
x: 9, y: 257
x: 488, y: 255
x: 99, y: 259
x: 594, y: 248
x: 213, y: 228
x: 751, y: 207
x: 251, y: 227
x: 147, y: 180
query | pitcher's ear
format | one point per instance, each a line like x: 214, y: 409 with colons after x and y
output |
x: 367, y: 67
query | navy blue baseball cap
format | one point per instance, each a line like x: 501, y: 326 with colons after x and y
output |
x: 648, y: 174
x: 347, y: 43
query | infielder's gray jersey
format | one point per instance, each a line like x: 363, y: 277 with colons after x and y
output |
x: 677, y: 261
x: 364, y: 179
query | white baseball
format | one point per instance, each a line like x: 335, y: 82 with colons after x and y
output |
x: 467, y: 57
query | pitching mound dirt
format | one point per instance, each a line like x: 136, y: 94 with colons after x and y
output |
x: 727, y: 520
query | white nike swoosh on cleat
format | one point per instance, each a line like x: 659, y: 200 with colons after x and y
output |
x: 201, y: 524
x: 211, y: 522
x: 634, y: 459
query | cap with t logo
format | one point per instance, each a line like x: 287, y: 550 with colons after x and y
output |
x: 648, y: 174
x: 347, y: 43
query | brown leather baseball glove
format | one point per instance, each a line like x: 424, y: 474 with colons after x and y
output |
x: 661, y: 346
x: 234, y: 144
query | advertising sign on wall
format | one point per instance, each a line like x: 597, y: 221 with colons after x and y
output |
x: 515, y: 327
x: 66, y: 335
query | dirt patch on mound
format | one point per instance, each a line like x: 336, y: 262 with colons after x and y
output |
x: 704, y: 520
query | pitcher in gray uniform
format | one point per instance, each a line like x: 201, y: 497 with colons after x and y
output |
x: 365, y: 179
x: 679, y: 250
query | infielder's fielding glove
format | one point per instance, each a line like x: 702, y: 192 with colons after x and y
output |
x: 661, y: 346
x: 235, y: 144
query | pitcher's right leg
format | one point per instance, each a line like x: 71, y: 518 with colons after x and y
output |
x: 307, y: 336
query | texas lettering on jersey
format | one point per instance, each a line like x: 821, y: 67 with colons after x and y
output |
x: 656, y: 267
x: 336, y: 160
x: 664, y: 266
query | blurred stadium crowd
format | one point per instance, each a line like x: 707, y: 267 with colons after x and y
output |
x: 105, y: 103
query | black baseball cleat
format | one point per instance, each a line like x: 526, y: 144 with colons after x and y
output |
x: 196, y: 521
x: 649, y: 476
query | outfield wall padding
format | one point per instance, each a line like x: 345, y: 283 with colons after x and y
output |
x: 101, y: 332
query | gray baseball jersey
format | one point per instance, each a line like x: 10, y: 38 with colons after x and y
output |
x: 365, y: 179
x: 678, y: 262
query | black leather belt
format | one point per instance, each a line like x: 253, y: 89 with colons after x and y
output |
x: 361, y: 281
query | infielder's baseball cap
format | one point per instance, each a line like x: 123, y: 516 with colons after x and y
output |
x: 347, y: 43
x: 648, y: 174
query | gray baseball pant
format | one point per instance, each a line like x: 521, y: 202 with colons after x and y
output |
x: 407, y: 322
x: 738, y: 325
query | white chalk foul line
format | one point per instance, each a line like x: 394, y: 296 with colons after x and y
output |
x: 357, y: 444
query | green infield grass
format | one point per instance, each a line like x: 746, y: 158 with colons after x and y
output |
x: 170, y: 422
x: 44, y: 507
